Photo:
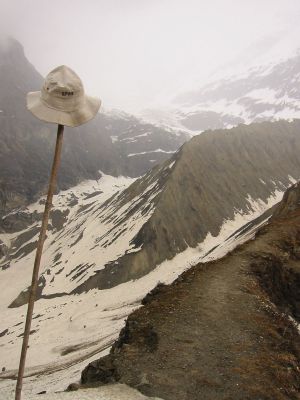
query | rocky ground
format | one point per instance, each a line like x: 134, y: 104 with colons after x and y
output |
x: 223, y: 330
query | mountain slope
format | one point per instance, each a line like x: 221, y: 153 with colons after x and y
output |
x: 268, y: 91
x: 220, y: 330
x: 108, y: 143
x: 227, y: 175
x: 213, y: 178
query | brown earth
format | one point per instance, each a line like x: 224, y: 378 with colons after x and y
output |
x: 221, y: 330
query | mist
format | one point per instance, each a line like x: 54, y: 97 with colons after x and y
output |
x: 136, y: 54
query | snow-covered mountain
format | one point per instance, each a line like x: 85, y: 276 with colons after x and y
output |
x: 124, y: 236
x: 114, y: 142
x: 111, y: 238
x: 269, y: 91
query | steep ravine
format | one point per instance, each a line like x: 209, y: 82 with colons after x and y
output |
x: 220, y: 331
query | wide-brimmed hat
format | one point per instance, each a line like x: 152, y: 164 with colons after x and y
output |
x: 62, y: 99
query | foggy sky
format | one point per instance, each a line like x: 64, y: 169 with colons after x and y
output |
x: 135, y: 53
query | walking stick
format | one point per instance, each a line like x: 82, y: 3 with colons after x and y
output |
x: 37, y: 261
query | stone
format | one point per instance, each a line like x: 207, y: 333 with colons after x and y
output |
x: 73, y: 387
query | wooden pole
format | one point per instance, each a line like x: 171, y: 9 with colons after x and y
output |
x: 37, y: 261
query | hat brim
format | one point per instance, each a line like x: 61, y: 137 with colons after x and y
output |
x: 40, y: 110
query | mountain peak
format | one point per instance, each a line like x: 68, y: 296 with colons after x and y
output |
x: 10, y: 48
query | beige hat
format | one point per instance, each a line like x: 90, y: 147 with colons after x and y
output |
x: 62, y: 99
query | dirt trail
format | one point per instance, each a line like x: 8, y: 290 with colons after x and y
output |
x: 215, y: 333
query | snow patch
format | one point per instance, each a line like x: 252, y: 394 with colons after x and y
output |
x: 114, y: 139
x: 263, y: 95
x: 152, y: 151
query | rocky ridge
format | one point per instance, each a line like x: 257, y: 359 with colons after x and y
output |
x: 222, y: 178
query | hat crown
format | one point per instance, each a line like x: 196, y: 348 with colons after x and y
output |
x: 63, y: 79
x: 63, y: 89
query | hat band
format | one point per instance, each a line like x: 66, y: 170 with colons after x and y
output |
x: 68, y: 103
